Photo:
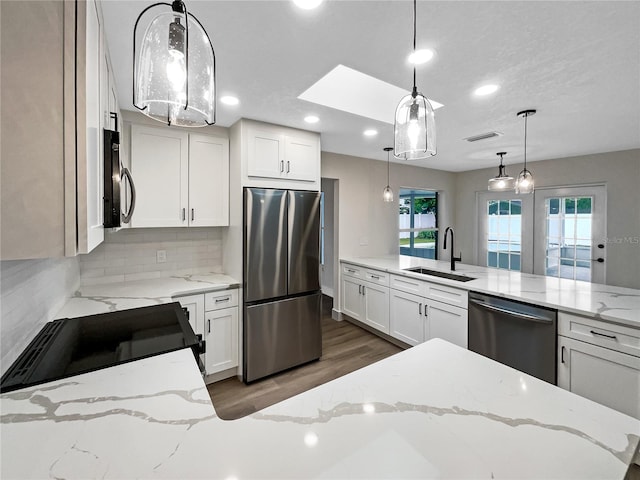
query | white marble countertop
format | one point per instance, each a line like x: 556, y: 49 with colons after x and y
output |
x: 615, y: 304
x: 110, y: 297
x: 432, y: 411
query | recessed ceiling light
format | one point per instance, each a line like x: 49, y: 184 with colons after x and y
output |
x: 421, y: 56
x: 311, y: 119
x: 370, y: 133
x: 229, y: 100
x: 307, y: 4
x: 486, y: 90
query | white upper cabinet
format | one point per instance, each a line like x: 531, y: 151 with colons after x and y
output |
x: 279, y: 157
x: 208, y: 180
x: 182, y: 179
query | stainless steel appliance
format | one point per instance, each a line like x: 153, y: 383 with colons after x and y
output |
x: 71, y: 346
x: 517, y: 334
x: 114, y: 173
x: 281, y: 280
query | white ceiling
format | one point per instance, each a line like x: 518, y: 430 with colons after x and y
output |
x: 577, y: 63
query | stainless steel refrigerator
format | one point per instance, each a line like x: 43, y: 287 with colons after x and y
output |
x: 281, y: 282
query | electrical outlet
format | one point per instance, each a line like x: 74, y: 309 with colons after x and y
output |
x: 161, y: 256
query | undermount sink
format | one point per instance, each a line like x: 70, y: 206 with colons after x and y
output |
x: 436, y: 273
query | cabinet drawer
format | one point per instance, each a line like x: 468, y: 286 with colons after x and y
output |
x: 352, y: 270
x: 408, y: 285
x: 608, y: 335
x: 445, y: 294
x: 376, y: 276
x: 220, y: 299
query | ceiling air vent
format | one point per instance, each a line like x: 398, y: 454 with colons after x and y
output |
x: 483, y: 136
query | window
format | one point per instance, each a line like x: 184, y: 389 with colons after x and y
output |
x: 504, y: 234
x: 418, y: 223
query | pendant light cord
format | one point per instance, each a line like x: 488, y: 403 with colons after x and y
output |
x: 525, y: 141
x: 387, y: 168
x: 414, y: 48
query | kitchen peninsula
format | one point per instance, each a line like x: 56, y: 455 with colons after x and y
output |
x: 435, y: 410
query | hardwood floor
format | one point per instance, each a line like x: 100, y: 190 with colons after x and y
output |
x: 345, y: 348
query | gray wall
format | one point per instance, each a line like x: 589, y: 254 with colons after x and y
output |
x: 619, y: 171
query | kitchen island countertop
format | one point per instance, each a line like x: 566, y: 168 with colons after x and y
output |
x: 432, y: 411
x: 605, y: 302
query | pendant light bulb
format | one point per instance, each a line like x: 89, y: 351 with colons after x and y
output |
x: 174, y: 67
x: 414, y: 128
x: 387, y: 193
x: 502, y: 181
x: 525, y: 183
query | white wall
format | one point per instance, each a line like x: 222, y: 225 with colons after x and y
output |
x: 619, y: 171
x: 32, y: 293
x: 130, y: 254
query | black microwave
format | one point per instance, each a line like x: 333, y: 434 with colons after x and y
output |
x: 114, y: 173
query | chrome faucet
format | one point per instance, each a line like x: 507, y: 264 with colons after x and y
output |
x: 454, y: 259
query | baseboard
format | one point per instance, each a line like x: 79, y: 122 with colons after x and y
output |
x: 216, y: 377
x: 380, y: 334
x: 336, y: 315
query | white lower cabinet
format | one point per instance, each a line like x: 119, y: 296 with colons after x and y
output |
x: 600, y: 361
x: 407, y: 320
x: 221, y: 336
x: 415, y: 319
x: 215, y: 316
x: 366, y: 301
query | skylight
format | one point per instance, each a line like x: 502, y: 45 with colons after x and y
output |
x: 351, y: 91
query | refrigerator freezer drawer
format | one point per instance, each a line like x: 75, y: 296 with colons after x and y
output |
x: 281, y: 335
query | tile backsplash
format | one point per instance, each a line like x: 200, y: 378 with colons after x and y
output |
x: 33, y: 291
x: 132, y: 254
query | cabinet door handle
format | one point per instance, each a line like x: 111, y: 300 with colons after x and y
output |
x: 208, y: 325
x: 288, y: 166
x: 420, y: 308
x: 193, y: 214
x: 562, y: 354
x: 350, y: 271
x: 184, y: 214
x: 281, y: 166
x: 612, y: 337
x: 359, y: 289
x: 375, y: 276
x: 363, y: 290
x: 225, y: 299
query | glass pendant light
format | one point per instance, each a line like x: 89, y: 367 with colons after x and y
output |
x: 524, y: 182
x: 415, y: 127
x: 387, y: 193
x: 502, y: 181
x: 174, y: 68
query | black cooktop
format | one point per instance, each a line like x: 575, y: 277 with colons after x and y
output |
x: 71, y: 346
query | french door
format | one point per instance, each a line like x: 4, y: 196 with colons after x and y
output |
x: 570, y: 234
x: 505, y: 231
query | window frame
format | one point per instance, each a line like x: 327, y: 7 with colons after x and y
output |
x: 414, y: 231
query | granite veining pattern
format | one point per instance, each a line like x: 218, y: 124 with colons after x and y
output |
x: 609, y: 303
x: 111, y: 297
x: 432, y: 411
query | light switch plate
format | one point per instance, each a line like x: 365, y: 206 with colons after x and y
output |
x: 161, y: 256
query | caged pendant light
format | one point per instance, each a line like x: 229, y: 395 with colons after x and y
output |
x: 174, y: 67
x: 415, y: 127
x: 387, y: 193
x: 524, y: 182
x: 502, y: 181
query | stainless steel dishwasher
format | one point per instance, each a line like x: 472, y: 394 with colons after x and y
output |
x: 517, y: 334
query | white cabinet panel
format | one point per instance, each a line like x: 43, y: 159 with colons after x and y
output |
x: 352, y: 303
x: 222, y: 340
x: 265, y: 156
x: 195, y: 306
x: 605, y: 376
x: 407, y: 321
x: 448, y: 323
x: 301, y: 159
x: 159, y: 164
x: 376, y: 306
x: 208, y: 181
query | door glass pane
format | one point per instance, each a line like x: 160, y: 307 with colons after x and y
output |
x: 418, y: 232
x: 568, y: 237
x: 504, y: 233
x: 515, y: 262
